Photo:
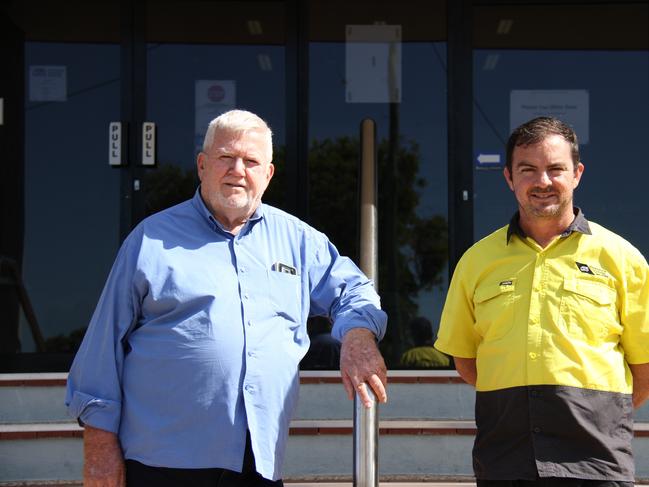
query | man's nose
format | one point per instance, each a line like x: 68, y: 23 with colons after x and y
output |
x: 543, y: 179
x: 237, y: 165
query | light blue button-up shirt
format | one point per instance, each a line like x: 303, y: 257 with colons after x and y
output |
x: 196, y: 336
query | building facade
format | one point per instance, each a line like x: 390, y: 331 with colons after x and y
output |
x: 103, y: 105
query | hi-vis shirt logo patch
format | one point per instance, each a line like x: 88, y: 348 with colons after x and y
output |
x: 584, y: 268
x: 589, y: 269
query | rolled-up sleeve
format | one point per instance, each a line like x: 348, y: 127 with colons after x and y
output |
x: 94, y: 383
x: 339, y: 289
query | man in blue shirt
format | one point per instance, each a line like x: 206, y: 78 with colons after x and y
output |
x: 188, y: 373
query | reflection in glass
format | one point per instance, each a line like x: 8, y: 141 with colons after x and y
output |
x: 616, y: 82
x: 412, y: 164
x: 175, y: 74
x: 71, y: 193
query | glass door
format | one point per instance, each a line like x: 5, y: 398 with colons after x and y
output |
x: 384, y: 61
x: 593, y: 72
x: 66, y: 194
x: 233, y: 57
x: 75, y: 192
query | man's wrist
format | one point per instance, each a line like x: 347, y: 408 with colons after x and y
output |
x: 359, y: 332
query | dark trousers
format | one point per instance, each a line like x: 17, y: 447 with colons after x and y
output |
x: 553, y: 482
x: 140, y: 475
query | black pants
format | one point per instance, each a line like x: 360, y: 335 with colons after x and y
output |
x: 140, y: 475
x: 553, y: 482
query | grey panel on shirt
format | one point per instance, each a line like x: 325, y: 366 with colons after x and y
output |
x: 553, y: 431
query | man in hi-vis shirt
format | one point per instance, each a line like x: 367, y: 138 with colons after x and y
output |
x: 548, y: 318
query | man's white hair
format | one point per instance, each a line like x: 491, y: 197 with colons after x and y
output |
x: 238, y: 121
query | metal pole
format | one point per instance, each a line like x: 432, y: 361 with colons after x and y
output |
x: 366, y: 420
x: 369, y: 253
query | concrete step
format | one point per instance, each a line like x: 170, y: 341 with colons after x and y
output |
x: 426, y: 431
x: 316, y: 450
x: 287, y: 483
x: 29, y: 398
x: 435, y: 395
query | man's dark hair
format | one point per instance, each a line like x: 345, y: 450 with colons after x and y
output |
x: 538, y: 129
x: 421, y: 331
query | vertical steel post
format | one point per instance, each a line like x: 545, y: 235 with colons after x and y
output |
x: 366, y: 420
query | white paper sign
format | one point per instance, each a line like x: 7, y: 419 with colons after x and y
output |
x: 570, y: 106
x: 373, y: 64
x: 48, y: 83
x: 212, y: 98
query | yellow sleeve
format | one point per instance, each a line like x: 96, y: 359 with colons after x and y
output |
x: 457, y: 336
x: 634, y: 311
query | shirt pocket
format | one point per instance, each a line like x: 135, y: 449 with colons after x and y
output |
x: 588, y: 309
x: 284, y: 295
x: 494, y: 309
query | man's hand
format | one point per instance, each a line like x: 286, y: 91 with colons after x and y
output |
x: 360, y: 362
x: 103, y: 464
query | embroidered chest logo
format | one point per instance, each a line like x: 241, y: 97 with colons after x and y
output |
x: 589, y: 269
x: 584, y: 268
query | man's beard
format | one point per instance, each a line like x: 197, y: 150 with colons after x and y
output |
x: 550, y: 211
x: 238, y: 201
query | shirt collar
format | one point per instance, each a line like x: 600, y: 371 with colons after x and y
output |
x: 199, y: 205
x: 579, y: 224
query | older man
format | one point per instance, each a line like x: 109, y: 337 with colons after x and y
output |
x: 188, y: 374
x: 549, y: 318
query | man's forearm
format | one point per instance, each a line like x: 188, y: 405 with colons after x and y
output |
x: 466, y: 367
x: 103, y: 458
x: 640, y: 374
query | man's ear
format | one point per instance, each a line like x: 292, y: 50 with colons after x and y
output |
x: 200, y: 164
x: 508, y: 178
x: 579, y: 170
x: 271, y: 171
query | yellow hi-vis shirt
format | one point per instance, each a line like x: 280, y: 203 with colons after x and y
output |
x: 572, y: 314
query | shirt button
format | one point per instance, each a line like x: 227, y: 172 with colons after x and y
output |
x: 249, y: 388
x: 251, y: 354
x: 533, y: 355
x: 242, y: 269
x: 245, y: 296
x: 249, y: 323
x: 536, y: 429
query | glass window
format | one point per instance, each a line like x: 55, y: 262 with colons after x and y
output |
x: 387, y: 62
x: 592, y: 71
x: 195, y: 75
x: 71, y: 194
